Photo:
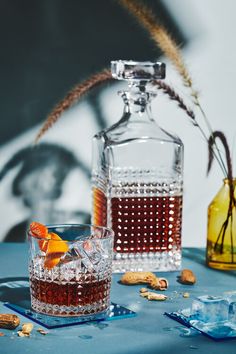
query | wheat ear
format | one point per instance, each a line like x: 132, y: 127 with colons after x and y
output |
x: 72, y: 97
x: 171, y: 50
x: 176, y: 97
x: 160, y: 36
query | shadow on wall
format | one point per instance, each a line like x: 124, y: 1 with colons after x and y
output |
x: 39, y: 183
x: 60, y: 43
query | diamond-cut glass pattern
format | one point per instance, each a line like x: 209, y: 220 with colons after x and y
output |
x: 79, y: 285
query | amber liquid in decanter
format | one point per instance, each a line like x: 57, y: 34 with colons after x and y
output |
x: 141, y: 224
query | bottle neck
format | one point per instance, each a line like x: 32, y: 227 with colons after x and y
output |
x: 137, y: 101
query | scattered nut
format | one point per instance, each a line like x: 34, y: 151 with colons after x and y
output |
x: 145, y: 294
x: 159, y: 284
x: 9, y: 321
x: 150, y: 295
x: 143, y: 290
x: 21, y: 334
x: 42, y: 331
x: 27, y: 327
x: 132, y: 278
x: 186, y: 295
x: 187, y: 277
x: 158, y: 297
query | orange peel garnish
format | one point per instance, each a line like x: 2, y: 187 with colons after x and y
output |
x: 56, y: 244
x: 50, y: 243
x: 38, y: 230
x: 52, y: 260
x: 41, y: 231
x: 56, y: 248
x: 43, y: 245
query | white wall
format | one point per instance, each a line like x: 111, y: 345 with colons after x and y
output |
x: 211, y: 58
x: 211, y: 61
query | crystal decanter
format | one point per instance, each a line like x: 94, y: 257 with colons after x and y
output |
x: 137, y: 178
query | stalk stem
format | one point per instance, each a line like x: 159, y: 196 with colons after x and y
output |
x: 218, y: 157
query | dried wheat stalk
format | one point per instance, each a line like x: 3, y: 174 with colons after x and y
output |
x: 171, y: 50
x: 72, y: 97
x: 176, y: 97
x: 160, y: 36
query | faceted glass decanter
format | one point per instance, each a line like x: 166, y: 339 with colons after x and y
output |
x: 137, y: 178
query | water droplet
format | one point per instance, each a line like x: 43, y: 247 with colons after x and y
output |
x: 187, y: 332
x: 85, y: 336
x: 167, y: 329
x: 193, y: 347
x: 101, y: 325
x: 98, y: 324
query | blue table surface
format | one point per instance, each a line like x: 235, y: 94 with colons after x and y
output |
x: 149, y: 332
